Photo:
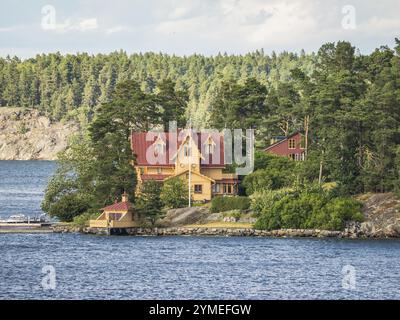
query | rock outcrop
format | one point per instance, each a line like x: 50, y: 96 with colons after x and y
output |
x: 26, y: 135
x: 382, y: 217
x: 183, y: 216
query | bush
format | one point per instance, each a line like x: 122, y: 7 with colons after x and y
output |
x: 271, y: 172
x: 265, y: 179
x: 222, y: 204
x: 174, y: 193
x: 83, y: 219
x: 341, y: 210
x: 304, y: 208
x: 265, y: 199
x: 68, y: 207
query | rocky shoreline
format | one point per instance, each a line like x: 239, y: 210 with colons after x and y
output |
x: 354, y: 231
x: 381, y: 212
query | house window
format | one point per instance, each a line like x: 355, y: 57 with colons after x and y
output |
x: 209, y: 148
x: 141, y: 170
x: 198, y: 188
x: 227, y: 188
x: 115, y: 216
x: 159, y: 170
x: 292, y: 144
x: 216, y: 188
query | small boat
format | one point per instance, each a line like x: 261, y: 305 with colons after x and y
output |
x: 16, y: 218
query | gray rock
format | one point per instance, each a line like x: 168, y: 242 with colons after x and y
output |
x: 183, y: 216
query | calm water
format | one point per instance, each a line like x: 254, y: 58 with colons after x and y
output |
x: 21, y: 186
x: 90, y: 267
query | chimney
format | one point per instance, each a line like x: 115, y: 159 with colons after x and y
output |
x: 124, y: 197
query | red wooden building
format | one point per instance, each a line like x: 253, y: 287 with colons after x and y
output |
x: 291, y: 146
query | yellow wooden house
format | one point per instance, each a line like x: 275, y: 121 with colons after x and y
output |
x: 117, y: 215
x: 198, y: 157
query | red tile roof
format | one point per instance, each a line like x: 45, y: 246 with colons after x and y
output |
x: 283, y: 140
x: 140, y: 146
x: 119, y: 206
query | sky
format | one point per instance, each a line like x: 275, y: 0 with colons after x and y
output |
x: 184, y: 27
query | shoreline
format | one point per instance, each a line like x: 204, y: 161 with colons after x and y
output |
x: 224, y: 232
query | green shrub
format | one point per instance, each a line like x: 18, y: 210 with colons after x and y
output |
x: 271, y: 172
x: 222, y: 204
x: 174, y: 193
x: 68, y: 206
x: 306, y: 207
x: 265, y: 199
x: 83, y: 219
x: 341, y: 210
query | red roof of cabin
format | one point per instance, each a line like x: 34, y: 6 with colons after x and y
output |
x: 140, y: 145
x: 119, y: 206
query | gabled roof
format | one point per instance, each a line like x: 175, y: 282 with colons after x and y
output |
x: 140, y: 146
x: 283, y: 140
x: 192, y: 172
x: 184, y: 141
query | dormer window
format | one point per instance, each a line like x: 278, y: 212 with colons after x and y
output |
x: 209, y: 148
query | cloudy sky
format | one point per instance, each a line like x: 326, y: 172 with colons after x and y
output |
x: 183, y: 27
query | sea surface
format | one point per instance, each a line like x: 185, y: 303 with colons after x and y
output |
x: 74, y: 266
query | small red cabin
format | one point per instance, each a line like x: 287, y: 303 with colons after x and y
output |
x: 291, y: 146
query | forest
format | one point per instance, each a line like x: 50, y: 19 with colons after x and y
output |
x: 346, y: 103
x: 72, y: 86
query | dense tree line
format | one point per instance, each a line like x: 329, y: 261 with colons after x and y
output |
x: 63, y: 86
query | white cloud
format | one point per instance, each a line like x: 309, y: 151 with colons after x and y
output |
x: 201, y: 26
x: 253, y: 22
x: 379, y: 24
x: 116, y: 29
x: 278, y: 25
x: 12, y: 28
x: 87, y: 24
